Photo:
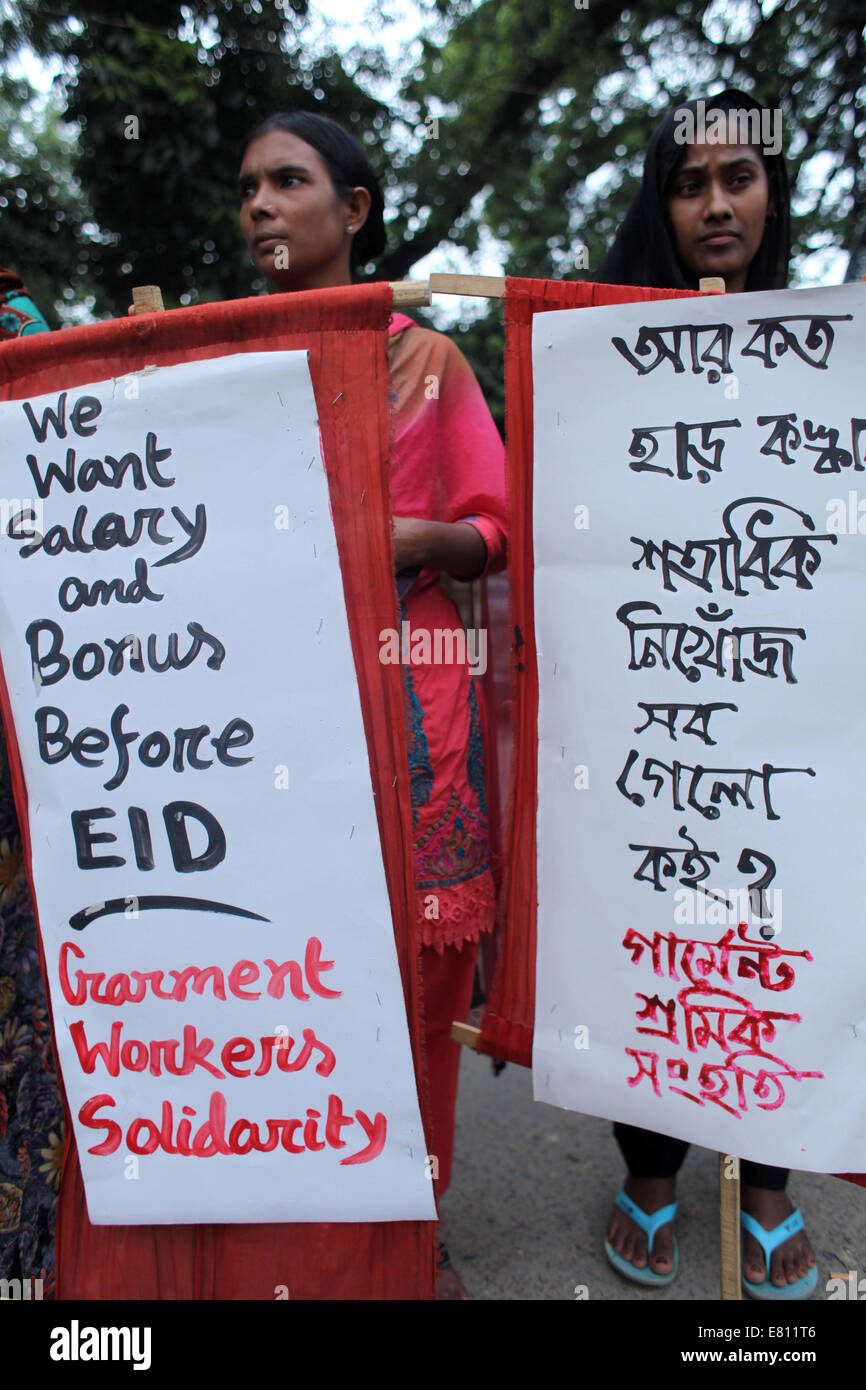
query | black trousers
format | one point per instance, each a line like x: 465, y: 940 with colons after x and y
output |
x: 650, y: 1155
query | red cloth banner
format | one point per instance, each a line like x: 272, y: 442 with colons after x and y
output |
x: 344, y: 332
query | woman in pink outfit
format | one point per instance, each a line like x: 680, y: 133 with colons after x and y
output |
x: 311, y: 212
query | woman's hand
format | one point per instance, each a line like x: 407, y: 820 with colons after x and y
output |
x: 411, y: 542
x: 453, y: 546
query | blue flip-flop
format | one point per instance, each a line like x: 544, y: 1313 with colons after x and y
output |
x: 770, y: 1241
x: 650, y: 1225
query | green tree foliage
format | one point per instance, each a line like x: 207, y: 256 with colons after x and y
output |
x: 46, y: 231
x: 163, y: 95
x: 543, y: 115
x: 549, y: 110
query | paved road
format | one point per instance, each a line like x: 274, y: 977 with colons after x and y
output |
x: 533, y: 1185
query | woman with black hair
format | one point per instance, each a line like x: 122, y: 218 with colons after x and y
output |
x: 311, y: 205
x: 312, y: 214
x: 706, y: 208
x: 722, y: 209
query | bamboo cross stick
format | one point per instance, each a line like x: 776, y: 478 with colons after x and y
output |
x: 406, y: 293
x: 479, y: 286
x: 147, y: 299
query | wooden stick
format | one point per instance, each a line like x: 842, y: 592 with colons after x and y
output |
x: 408, y: 292
x: 493, y: 286
x: 481, y: 286
x: 147, y: 299
x: 729, y: 1227
x: 729, y: 1167
x: 467, y: 1035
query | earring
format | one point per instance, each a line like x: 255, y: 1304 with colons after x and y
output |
x: 350, y: 229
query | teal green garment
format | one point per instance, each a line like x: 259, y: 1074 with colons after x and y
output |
x: 20, y: 317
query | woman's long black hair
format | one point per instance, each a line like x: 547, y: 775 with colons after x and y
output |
x: 644, y: 249
x: 347, y: 164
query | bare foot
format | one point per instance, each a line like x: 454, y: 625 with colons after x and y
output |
x: 628, y: 1240
x: 793, y: 1259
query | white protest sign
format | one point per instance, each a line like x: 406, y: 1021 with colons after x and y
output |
x: 206, y: 856
x: 700, y: 584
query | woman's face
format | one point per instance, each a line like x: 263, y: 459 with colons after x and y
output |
x: 298, y: 229
x: 718, y: 200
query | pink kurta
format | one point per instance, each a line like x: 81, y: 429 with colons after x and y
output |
x: 447, y: 465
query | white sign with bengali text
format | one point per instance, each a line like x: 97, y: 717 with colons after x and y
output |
x: 700, y: 589
x: 212, y: 900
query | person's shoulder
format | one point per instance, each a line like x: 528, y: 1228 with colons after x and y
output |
x: 411, y: 339
x: 402, y: 326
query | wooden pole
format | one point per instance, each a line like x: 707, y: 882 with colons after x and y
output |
x: 467, y: 1035
x: 147, y: 299
x: 729, y: 1228
x: 730, y: 1241
x: 407, y: 293
x: 480, y: 286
